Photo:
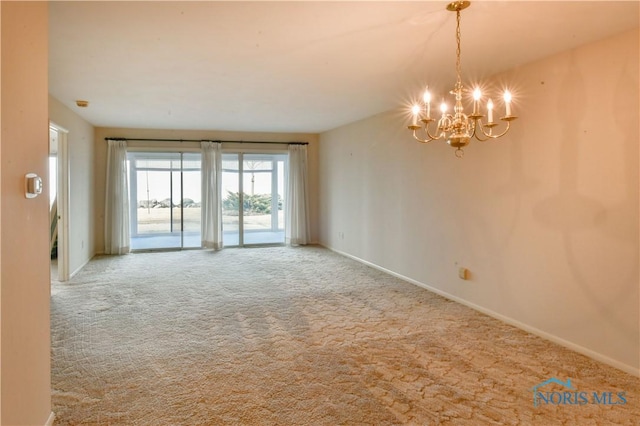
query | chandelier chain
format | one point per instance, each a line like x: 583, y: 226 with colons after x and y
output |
x: 458, y: 71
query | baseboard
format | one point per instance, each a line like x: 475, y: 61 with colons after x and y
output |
x: 50, y: 420
x: 80, y: 268
x: 548, y: 336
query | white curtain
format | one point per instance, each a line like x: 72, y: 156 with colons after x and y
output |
x: 211, y: 195
x: 116, y: 215
x: 296, y: 199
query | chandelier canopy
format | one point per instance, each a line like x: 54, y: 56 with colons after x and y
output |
x: 458, y: 128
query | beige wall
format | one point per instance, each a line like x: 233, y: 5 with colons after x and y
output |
x: 24, y: 308
x: 81, y: 183
x: 101, y: 161
x: 546, y: 218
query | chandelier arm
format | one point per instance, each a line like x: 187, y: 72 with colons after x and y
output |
x: 415, y: 136
x: 431, y: 137
x: 491, y: 136
x: 427, y: 122
x: 478, y: 124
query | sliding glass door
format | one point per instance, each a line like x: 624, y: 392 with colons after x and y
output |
x: 253, y: 198
x: 164, y: 200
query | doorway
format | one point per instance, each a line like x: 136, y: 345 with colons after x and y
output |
x: 253, y: 198
x: 58, y: 202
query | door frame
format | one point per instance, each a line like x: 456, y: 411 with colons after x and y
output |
x: 63, y: 200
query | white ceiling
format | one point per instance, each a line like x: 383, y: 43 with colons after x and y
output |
x: 293, y: 66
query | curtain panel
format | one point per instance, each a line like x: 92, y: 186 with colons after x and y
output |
x: 116, y: 216
x: 296, y: 200
x: 211, y: 195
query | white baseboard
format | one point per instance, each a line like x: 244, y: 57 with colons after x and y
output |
x: 80, y: 268
x: 50, y: 420
x: 548, y: 336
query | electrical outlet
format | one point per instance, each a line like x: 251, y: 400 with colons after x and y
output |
x: 463, y: 273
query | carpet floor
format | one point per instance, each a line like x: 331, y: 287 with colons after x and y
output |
x: 301, y: 336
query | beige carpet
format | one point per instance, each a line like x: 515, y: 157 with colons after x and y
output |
x: 298, y: 336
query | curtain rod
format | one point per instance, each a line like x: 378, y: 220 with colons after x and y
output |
x: 204, y: 140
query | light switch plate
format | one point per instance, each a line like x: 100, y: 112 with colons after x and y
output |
x: 33, y: 185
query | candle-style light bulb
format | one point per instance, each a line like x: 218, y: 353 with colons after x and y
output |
x: 490, y: 111
x: 427, y: 96
x: 443, y: 108
x: 477, y: 94
x: 507, y: 102
x: 415, y: 110
x: 427, y: 102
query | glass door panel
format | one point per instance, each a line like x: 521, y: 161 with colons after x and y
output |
x: 157, y: 205
x: 253, y: 198
x: 231, y: 200
x: 191, y: 200
x: 281, y: 162
x: 263, y: 205
x: 176, y: 206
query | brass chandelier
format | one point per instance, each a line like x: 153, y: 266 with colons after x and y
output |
x: 458, y: 128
